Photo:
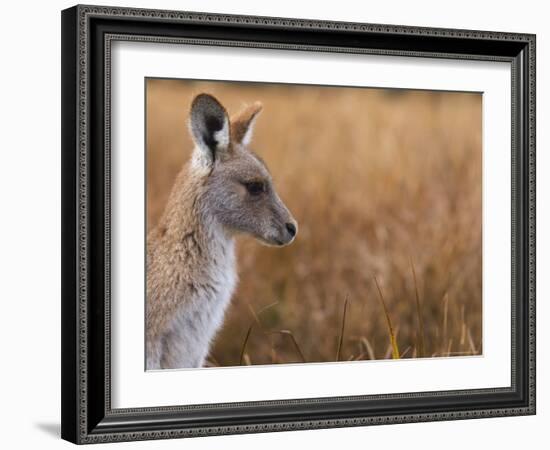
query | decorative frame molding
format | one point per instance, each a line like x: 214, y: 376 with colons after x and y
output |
x: 87, y: 34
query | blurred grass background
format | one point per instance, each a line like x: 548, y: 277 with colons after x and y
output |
x: 386, y: 188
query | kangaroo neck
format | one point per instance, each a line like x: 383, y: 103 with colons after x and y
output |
x: 187, y: 228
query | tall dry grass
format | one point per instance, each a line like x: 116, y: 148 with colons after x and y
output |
x: 386, y: 187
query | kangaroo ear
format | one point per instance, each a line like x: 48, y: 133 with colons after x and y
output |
x: 209, y: 125
x: 242, y: 125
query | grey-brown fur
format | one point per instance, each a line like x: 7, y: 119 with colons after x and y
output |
x: 225, y: 189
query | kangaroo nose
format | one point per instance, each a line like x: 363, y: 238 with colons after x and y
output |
x: 291, y: 228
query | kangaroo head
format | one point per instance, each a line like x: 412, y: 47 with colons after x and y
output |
x: 238, y: 189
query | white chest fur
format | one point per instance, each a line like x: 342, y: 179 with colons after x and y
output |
x: 201, y: 313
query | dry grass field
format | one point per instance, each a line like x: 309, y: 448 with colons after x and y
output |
x: 386, y: 188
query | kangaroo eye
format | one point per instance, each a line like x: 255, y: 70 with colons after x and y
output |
x: 255, y: 187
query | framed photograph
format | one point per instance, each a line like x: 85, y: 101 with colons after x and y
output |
x: 279, y: 224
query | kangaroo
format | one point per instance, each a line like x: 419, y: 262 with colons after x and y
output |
x: 224, y: 190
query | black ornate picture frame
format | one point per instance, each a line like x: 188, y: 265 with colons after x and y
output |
x: 87, y: 34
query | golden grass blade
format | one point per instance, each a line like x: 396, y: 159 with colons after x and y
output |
x: 243, y: 348
x: 445, y: 317
x: 471, y: 342
x: 393, y: 341
x: 368, y: 348
x: 341, y: 339
x: 463, y: 327
x: 449, y: 347
x: 418, y: 313
x: 254, y: 315
x: 293, y: 339
x: 274, y: 357
x: 266, y: 307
